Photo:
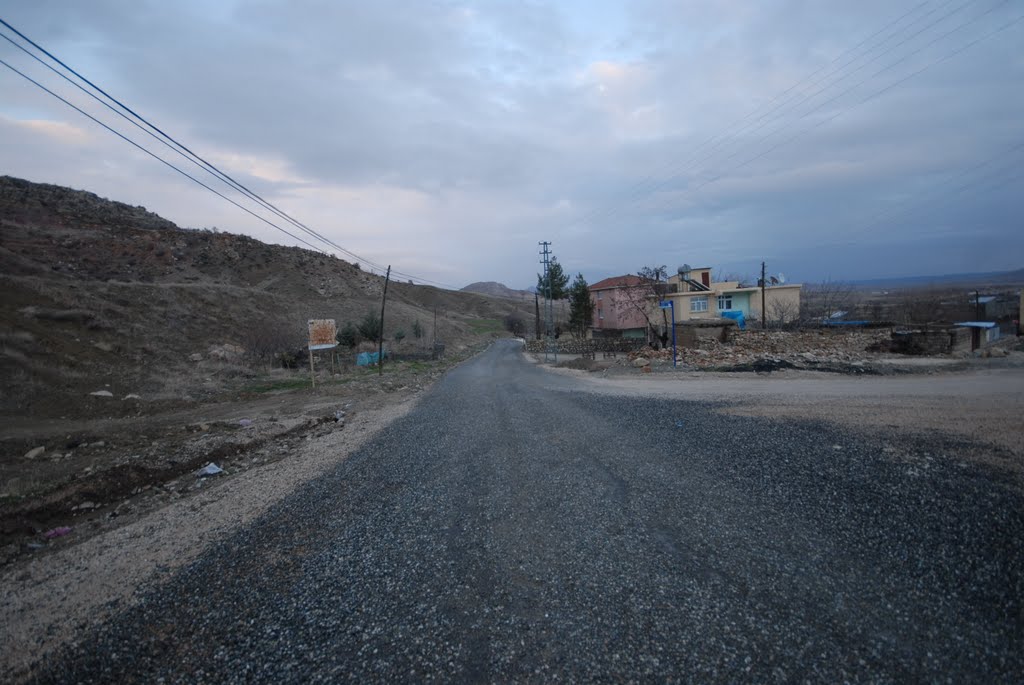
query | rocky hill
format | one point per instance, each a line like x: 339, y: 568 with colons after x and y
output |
x: 99, y: 295
x: 495, y: 289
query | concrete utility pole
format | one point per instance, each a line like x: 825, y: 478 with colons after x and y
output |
x: 380, y: 341
x: 536, y: 316
x: 764, y: 312
x: 550, y: 349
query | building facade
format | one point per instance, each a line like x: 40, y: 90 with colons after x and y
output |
x: 624, y: 305
x: 618, y: 307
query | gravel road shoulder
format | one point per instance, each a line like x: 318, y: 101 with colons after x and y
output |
x: 47, y: 602
x: 981, y: 407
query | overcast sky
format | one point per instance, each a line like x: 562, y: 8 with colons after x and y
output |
x: 840, y: 140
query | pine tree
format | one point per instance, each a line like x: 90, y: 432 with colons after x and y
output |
x: 581, y: 307
x: 559, y: 281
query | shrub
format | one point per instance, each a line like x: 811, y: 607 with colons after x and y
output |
x: 370, y: 326
x: 349, y: 336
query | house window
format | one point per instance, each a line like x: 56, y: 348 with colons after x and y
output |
x: 699, y: 304
x: 600, y: 313
x: 600, y: 294
x: 724, y: 302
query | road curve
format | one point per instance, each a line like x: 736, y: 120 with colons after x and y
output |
x: 513, y: 529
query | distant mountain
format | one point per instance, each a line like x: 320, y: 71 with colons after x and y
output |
x: 495, y: 289
x: 990, y: 278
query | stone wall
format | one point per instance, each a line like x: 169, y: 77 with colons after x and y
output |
x: 931, y: 341
x: 574, y: 346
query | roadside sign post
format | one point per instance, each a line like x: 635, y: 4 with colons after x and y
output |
x: 323, y: 335
x: 671, y: 305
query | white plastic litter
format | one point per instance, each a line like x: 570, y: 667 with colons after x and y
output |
x: 210, y: 469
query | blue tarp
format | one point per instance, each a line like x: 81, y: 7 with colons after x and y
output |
x: 737, y: 316
x: 369, y: 358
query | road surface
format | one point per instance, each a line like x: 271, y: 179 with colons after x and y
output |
x: 512, y: 528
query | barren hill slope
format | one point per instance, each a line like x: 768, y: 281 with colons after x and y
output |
x: 101, y: 295
x: 495, y: 289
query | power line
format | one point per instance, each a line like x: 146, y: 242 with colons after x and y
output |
x: 159, y: 134
x: 725, y: 137
x: 886, y: 217
x: 665, y: 183
x: 186, y: 152
x: 863, y: 101
x: 155, y: 156
x: 190, y: 157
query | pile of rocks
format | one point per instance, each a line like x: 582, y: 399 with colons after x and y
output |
x: 820, y: 348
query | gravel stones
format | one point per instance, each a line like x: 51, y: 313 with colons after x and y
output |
x: 512, y: 528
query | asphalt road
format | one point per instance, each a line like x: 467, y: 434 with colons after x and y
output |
x: 514, y: 528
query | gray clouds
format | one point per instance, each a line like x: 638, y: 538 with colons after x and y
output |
x: 449, y: 138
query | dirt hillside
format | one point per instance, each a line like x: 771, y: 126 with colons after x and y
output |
x: 495, y: 289
x: 99, y: 295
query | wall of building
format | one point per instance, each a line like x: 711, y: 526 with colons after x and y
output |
x: 612, y: 310
x: 782, y: 301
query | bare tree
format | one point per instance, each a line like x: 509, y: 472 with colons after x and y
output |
x: 265, y: 341
x: 515, y: 324
x: 643, y: 296
x: 822, y: 300
x: 781, y: 312
x: 924, y: 305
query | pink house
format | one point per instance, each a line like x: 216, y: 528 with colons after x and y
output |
x: 612, y: 308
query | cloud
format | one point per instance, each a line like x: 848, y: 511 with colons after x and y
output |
x: 450, y: 137
x: 57, y: 131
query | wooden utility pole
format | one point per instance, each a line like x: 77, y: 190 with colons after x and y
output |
x: 433, y: 345
x: 380, y: 341
x: 764, y: 312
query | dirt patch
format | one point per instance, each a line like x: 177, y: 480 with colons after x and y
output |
x: 95, y: 474
x: 581, y: 363
x: 95, y: 571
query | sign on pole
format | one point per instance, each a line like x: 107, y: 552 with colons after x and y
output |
x: 670, y: 304
x: 323, y: 335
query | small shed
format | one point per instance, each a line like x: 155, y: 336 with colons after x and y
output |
x: 982, y: 332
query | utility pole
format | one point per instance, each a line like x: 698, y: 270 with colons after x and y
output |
x: 977, y: 306
x: 550, y: 349
x: 536, y: 316
x: 380, y: 339
x: 764, y: 312
x: 433, y: 345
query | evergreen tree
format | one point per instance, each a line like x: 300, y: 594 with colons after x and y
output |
x: 581, y: 307
x: 369, y: 327
x: 559, y: 281
x: 349, y: 335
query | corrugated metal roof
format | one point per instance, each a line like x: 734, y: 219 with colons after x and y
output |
x: 977, y: 324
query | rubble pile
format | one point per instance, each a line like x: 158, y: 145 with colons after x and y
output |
x: 809, y: 349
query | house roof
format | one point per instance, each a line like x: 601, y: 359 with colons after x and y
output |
x: 976, y: 324
x: 627, y: 281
